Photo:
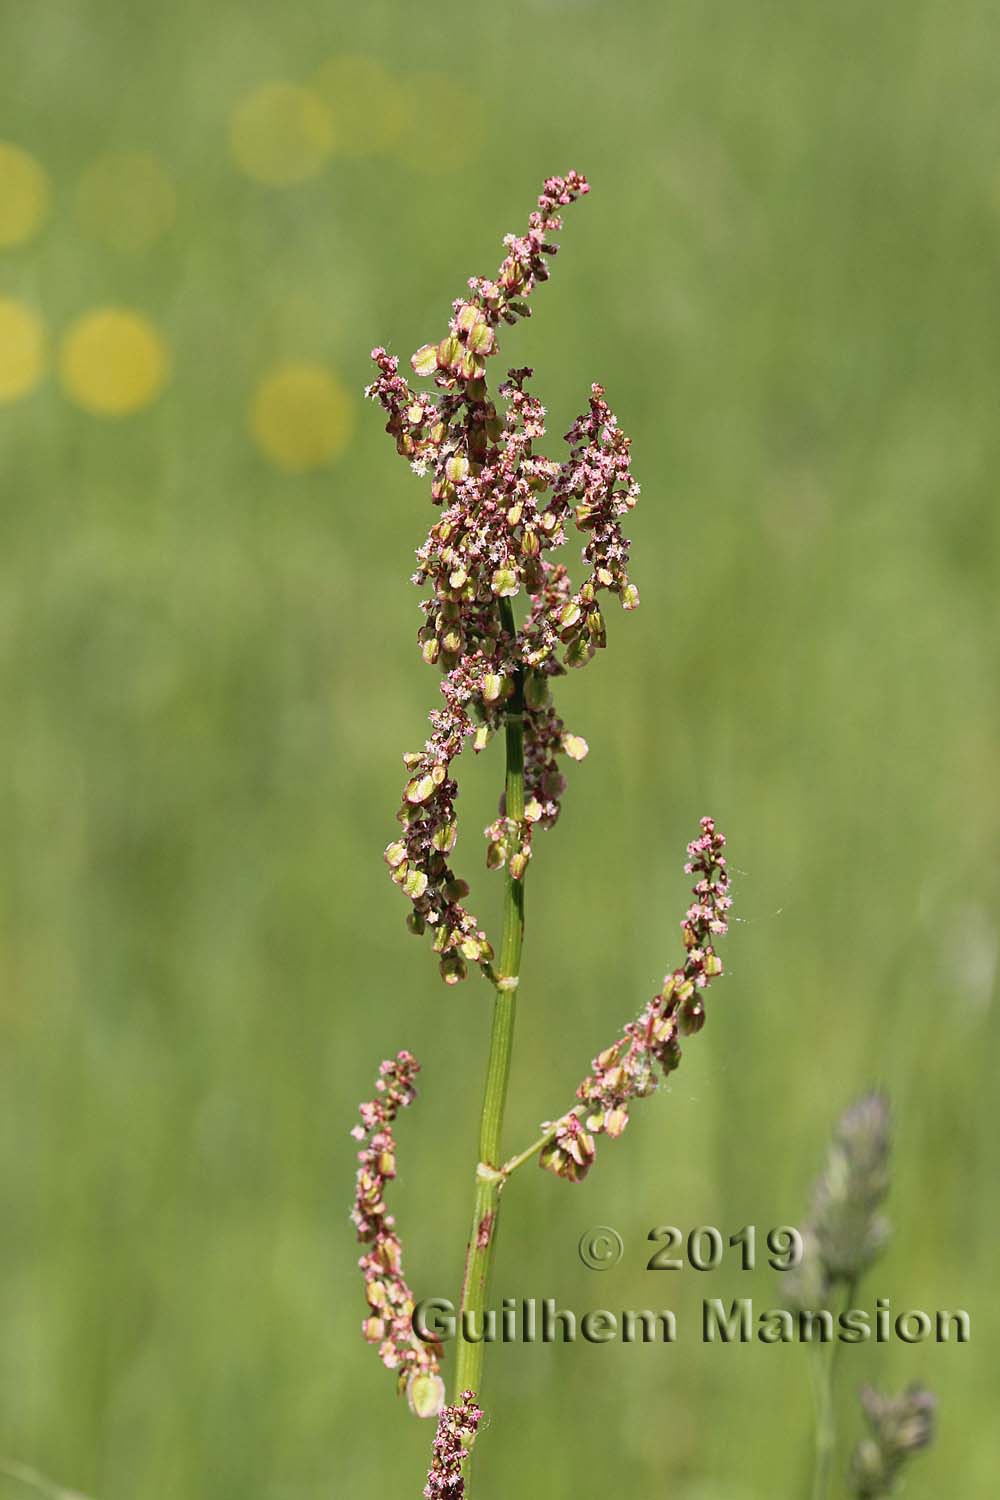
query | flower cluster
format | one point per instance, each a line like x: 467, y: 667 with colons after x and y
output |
x: 900, y: 1427
x: 456, y: 1432
x: 504, y: 507
x: 847, y: 1220
x: 629, y: 1069
x: 390, y: 1301
x: 418, y: 861
x: 846, y: 1228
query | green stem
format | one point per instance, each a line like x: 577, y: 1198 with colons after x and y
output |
x: 824, y: 1369
x: 490, y: 1177
x: 825, y: 1434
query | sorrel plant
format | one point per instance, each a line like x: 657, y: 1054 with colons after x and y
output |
x: 502, y: 622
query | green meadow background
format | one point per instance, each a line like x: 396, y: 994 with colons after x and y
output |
x: 786, y: 278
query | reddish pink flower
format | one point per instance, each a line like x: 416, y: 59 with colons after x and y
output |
x: 456, y: 1432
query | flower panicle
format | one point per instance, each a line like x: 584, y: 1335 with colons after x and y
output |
x: 847, y: 1214
x: 389, y: 1322
x: 631, y: 1067
x: 504, y: 506
x: 456, y: 1433
x: 847, y: 1229
x: 900, y: 1427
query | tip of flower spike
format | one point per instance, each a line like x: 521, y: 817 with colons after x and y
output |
x: 456, y: 1433
x: 561, y: 191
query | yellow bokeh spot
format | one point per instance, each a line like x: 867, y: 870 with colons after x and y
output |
x: 367, y: 105
x: 281, y: 134
x: 22, y: 349
x: 301, y: 417
x: 113, y: 362
x: 24, y: 195
x: 443, y: 124
x: 126, y: 200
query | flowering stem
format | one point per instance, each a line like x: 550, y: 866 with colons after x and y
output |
x: 489, y: 1174
x: 824, y: 1432
x: 824, y: 1369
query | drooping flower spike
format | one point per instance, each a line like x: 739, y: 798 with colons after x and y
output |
x: 389, y: 1324
x: 631, y: 1067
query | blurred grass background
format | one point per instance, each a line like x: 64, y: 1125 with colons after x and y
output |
x: 786, y: 278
